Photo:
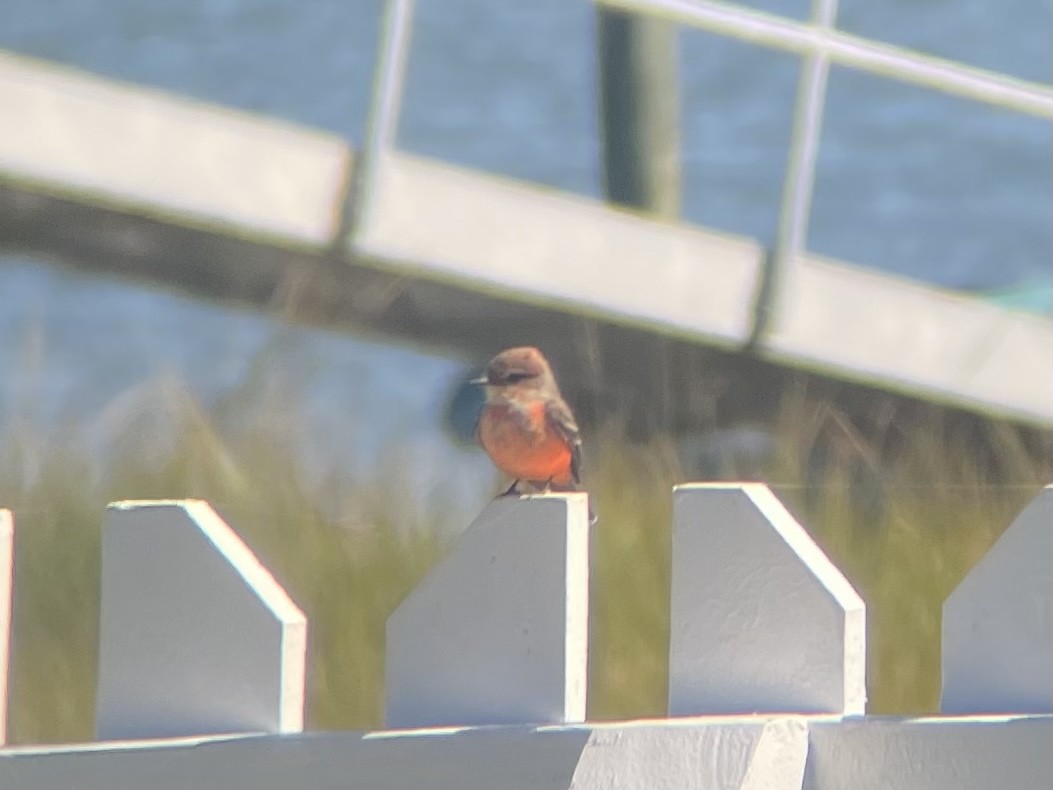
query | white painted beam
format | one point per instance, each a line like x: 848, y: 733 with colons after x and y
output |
x: 735, y: 753
x: 195, y: 636
x: 7, y: 568
x: 497, y: 633
x: 761, y: 620
x: 998, y: 623
x: 169, y: 157
x: 141, y: 154
x: 478, y: 760
x: 536, y: 245
x: 728, y: 752
x: 931, y: 754
x: 902, y: 335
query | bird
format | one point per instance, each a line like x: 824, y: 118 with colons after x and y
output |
x: 526, y: 427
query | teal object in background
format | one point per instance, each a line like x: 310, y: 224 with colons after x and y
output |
x: 1033, y: 298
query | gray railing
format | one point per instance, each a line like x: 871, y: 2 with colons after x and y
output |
x: 382, y: 124
x: 817, y: 41
x: 820, y: 44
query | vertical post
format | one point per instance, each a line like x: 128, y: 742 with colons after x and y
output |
x: 497, y: 633
x: 639, y: 110
x: 761, y: 621
x: 7, y: 568
x: 998, y: 623
x: 795, y: 212
x: 195, y: 636
x: 382, y: 123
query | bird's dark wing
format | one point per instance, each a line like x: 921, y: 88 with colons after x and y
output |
x: 559, y: 417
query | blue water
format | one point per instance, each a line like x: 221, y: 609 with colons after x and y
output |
x: 909, y: 182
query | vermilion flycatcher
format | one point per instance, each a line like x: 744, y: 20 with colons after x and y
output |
x: 526, y: 427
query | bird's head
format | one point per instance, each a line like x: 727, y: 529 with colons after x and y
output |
x: 523, y: 367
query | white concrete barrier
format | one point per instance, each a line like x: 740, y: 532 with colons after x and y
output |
x: 195, y: 636
x: 497, y: 633
x: 7, y: 568
x: 761, y: 620
x: 998, y: 623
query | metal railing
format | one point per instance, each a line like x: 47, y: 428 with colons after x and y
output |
x: 817, y: 41
x: 820, y: 44
x: 382, y: 123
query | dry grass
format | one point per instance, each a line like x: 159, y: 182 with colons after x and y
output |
x: 904, y: 531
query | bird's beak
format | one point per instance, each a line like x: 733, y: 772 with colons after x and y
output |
x: 480, y: 380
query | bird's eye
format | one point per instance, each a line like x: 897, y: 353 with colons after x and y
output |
x: 513, y: 378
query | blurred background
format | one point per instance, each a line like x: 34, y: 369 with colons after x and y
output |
x: 345, y: 457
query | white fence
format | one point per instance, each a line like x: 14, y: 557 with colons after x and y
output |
x: 202, y: 664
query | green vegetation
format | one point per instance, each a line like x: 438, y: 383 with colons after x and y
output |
x: 904, y: 527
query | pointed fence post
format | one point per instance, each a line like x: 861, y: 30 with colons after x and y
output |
x: 195, y: 636
x: 761, y: 621
x: 998, y: 623
x: 7, y: 568
x: 497, y: 633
